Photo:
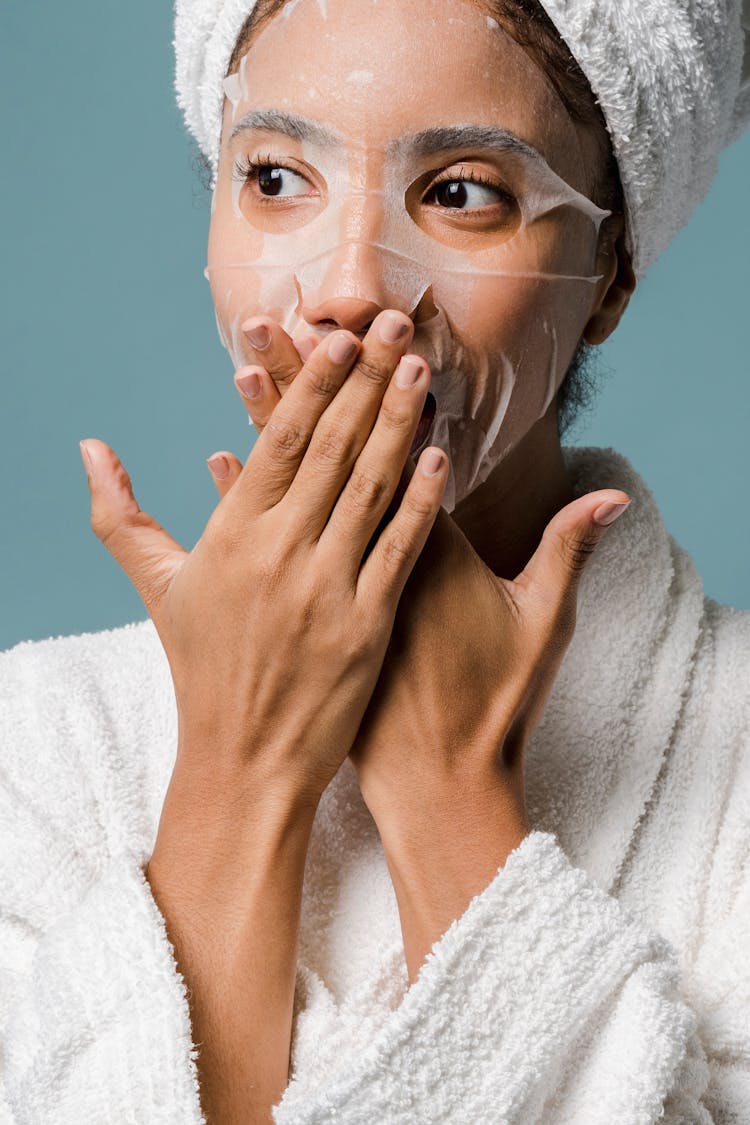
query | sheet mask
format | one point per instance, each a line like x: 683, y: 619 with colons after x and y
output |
x: 358, y: 227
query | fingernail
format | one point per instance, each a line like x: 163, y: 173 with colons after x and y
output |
x: 306, y: 346
x: 248, y: 384
x: 409, y: 370
x: 607, y: 513
x: 259, y: 337
x: 431, y: 462
x: 341, y: 347
x: 86, y: 458
x: 392, y: 328
x: 218, y: 465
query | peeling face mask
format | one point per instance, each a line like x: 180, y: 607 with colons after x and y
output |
x: 338, y: 181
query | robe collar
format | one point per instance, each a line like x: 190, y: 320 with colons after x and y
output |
x: 593, y: 761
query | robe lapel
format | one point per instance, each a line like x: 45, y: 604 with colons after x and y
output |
x: 593, y: 761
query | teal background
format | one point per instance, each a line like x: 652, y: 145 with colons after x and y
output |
x: 108, y: 328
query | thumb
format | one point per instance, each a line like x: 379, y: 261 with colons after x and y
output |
x: 146, y: 552
x: 569, y: 540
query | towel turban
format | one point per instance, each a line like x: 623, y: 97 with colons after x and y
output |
x: 672, y: 79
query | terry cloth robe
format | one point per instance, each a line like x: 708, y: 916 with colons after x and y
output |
x: 603, y: 976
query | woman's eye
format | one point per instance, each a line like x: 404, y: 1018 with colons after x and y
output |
x: 467, y: 194
x: 273, y: 181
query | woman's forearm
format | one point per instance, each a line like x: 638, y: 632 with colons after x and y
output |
x: 227, y: 877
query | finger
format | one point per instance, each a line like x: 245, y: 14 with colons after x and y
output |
x: 146, y: 552
x: 306, y: 343
x: 276, y: 456
x: 392, y: 559
x: 259, y: 394
x: 407, y: 473
x: 343, y: 430
x: 551, y: 577
x: 377, y: 471
x: 273, y: 349
x: 225, y: 468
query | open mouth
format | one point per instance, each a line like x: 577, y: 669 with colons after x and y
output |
x: 424, y: 424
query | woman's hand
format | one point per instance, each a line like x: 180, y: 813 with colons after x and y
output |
x: 274, y: 628
x: 469, y: 667
x: 472, y: 657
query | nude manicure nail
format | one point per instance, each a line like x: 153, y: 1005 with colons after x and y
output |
x: 341, y: 347
x: 409, y: 370
x: 607, y: 513
x: 392, y: 328
x: 306, y: 346
x: 249, y: 384
x: 218, y: 465
x: 259, y: 337
x: 86, y: 457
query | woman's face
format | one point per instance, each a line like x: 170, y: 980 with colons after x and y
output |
x: 413, y: 157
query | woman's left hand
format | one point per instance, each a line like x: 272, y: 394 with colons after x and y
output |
x: 470, y: 665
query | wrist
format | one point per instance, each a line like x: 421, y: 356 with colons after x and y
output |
x: 248, y: 773
x: 439, y: 847
x: 442, y: 850
x: 218, y: 850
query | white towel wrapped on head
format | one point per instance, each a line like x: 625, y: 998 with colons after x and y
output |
x: 669, y: 77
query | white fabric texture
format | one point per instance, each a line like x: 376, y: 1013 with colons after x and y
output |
x: 669, y: 78
x: 602, y: 976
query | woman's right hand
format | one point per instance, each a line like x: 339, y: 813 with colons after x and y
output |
x: 274, y: 627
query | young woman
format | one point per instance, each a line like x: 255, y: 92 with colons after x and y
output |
x: 422, y: 793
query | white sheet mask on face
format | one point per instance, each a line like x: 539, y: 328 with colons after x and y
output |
x: 353, y: 222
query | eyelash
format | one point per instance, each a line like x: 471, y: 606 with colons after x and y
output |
x: 473, y: 178
x: 246, y: 169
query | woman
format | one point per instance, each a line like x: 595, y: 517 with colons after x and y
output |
x: 524, y: 848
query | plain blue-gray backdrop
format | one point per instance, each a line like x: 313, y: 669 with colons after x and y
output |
x: 108, y: 328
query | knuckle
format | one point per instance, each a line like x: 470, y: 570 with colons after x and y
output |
x: 322, y: 384
x: 284, y: 375
x: 103, y: 527
x: 396, y: 417
x: 366, y: 490
x: 286, y: 439
x: 372, y: 371
x: 575, y: 551
x: 333, y: 445
x: 397, y: 550
x: 419, y: 505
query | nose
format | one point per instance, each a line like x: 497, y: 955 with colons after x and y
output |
x: 352, y: 299
x: 347, y: 286
x: 352, y: 313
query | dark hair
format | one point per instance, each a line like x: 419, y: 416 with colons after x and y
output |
x: 528, y: 23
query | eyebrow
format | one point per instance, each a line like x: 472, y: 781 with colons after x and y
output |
x: 291, y: 124
x: 425, y: 143
x: 442, y: 138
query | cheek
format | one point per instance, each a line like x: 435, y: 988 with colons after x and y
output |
x: 236, y: 288
x: 236, y: 297
x: 529, y: 326
x: 500, y: 359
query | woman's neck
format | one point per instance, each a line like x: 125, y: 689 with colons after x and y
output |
x: 504, y: 517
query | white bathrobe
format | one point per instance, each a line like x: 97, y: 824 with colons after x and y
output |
x: 602, y: 977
